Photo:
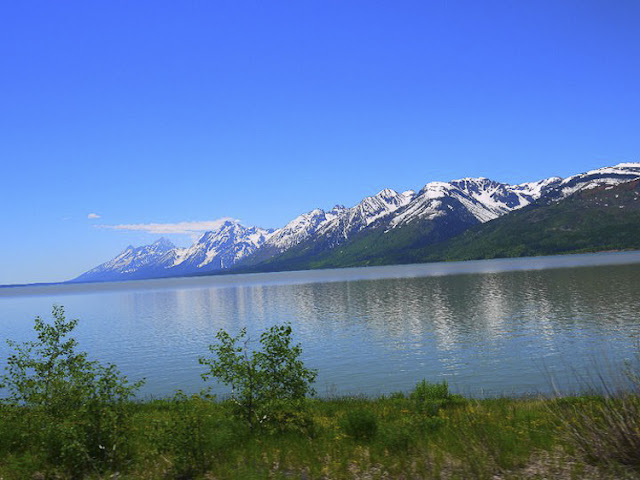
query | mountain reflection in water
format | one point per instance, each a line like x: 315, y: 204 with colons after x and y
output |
x: 487, y: 333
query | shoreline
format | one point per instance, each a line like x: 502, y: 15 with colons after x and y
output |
x: 296, y: 277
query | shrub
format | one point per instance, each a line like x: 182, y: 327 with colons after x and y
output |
x: 75, y: 410
x: 360, y: 424
x: 428, y: 392
x: 429, y: 397
x: 265, y: 383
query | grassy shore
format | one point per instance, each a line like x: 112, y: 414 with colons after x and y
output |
x: 69, y: 417
x: 426, y: 434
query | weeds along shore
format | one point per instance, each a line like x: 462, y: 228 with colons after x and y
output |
x: 425, y: 434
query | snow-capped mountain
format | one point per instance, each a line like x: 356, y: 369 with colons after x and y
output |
x: 218, y: 249
x: 439, y: 210
x: 367, y: 212
x: 482, y: 198
x: 301, y: 228
x: 340, y: 223
x: 130, y: 262
x: 336, y: 226
x: 623, y: 172
x: 486, y: 199
x: 214, y: 250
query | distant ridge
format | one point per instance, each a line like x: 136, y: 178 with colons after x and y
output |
x: 603, y: 218
x: 392, y: 227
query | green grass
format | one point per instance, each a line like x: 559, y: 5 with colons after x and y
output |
x: 70, y: 418
x: 428, y: 433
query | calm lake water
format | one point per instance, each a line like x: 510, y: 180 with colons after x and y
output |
x: 512, y: 326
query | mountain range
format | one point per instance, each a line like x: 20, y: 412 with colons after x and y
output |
x: 460, y: 219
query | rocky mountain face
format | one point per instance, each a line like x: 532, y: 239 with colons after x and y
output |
x: 130, y: 263
x: 623, y: 172
x: 440, y: 210
x: 214, y: 250
x: 331, y: 228
x: 386, y: 222
x: 602, y: 217
x: 218, y: 249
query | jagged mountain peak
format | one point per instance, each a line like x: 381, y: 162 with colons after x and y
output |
x: 383, y: 202
x: 368, y: 211
x: 482, y: 197
x: 231, y: 228
x: 163, y: 242
x: 298, y: 229
x: 130, y: 261
x: 339, y: 222
x: 435, y: 187
x: 222, y: 247
x: 536, y: 189
x: 386, y: 193
x: 621, y: 169
x: 473, y: 180
x: 622, y: 172
x: 451, y: 207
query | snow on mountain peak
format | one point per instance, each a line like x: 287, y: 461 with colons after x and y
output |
x: 536, y: 189
x: 465, y: 201
x: 386, y: 193
x: 622, y: 172
x: 297, y: 230
x: 482, y: 197
x: 435, y: 190
x: 163, y: 243
x: 221, y: 248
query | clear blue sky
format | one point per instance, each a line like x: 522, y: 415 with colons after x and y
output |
x: 166, y: 112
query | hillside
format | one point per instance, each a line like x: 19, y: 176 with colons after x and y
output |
x: 598, y: 219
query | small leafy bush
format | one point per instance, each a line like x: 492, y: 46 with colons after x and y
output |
x: 268, y: 384
x: 429, y: 397
x: 428, y: 392
x: 360, y: 424
x: 74, y: 409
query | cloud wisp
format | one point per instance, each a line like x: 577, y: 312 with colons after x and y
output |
x: 93, y: 216
x: 180, y: 228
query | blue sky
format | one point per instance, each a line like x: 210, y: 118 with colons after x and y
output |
x: 168, y: 112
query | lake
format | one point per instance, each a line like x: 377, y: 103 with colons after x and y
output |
x: 492, y: 327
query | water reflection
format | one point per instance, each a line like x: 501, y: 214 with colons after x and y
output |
x: 487, y: 333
